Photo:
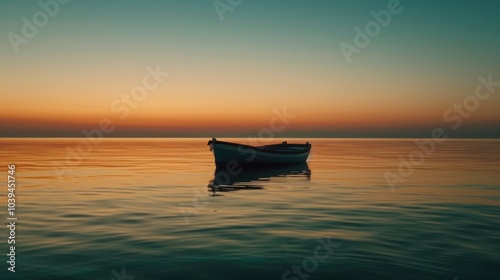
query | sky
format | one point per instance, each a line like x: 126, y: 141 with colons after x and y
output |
x: 236, y: 68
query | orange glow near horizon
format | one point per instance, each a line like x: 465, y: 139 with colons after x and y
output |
x: 229, y: 102
x: 306, y: 119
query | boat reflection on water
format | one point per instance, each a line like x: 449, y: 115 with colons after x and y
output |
x: 234, y: 178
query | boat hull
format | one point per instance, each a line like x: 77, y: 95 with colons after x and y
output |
x: 225, y: 152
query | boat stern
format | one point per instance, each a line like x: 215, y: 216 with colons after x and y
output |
x: 211, y: 144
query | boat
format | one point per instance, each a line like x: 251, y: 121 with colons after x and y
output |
x: 276, y: 154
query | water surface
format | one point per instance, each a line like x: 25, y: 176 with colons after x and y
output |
x: 147, y: 206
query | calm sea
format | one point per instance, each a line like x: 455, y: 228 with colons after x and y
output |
x: 150, y: 209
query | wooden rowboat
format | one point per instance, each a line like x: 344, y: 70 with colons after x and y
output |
x: 284, y: 153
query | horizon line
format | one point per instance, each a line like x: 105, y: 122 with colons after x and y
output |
x: 239, y: 137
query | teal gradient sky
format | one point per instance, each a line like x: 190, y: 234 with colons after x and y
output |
x: 264, y: 55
